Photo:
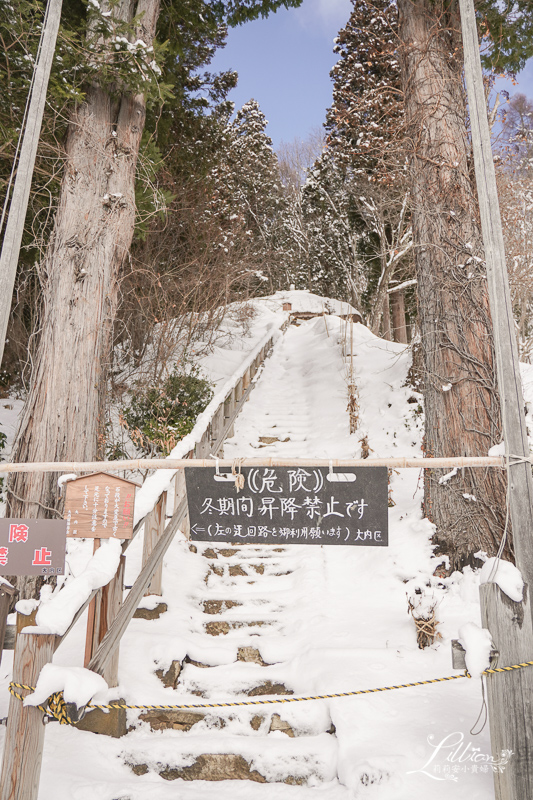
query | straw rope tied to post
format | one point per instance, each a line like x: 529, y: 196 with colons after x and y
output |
x: 425, y: 622
x: 239, y: 477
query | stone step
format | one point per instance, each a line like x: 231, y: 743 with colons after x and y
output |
x: 223, y: 627
x: 247, y: 551
x: 246, y: 570
x: 183, y: 720
x: 218, y: 606
x: 242, y: 679
x: 258, y: 758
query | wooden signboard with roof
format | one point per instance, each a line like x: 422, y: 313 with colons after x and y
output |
x: 99, y: 506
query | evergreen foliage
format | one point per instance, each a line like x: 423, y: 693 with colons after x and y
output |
x: 157, y: 418
x: 365, y: 118
x: 186, y: 117
x: 333, y: 264
x: 353, y: 203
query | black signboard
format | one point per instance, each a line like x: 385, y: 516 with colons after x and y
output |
x: 32, y: 546
x: 290, y: 505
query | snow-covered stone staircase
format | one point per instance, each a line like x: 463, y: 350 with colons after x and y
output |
x: 244, y: 601
x: 247, y: 598
x: 246, y: 623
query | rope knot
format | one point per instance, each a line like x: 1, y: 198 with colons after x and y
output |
x: 54, y: 707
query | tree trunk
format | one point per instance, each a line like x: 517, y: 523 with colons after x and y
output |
x: 461, y: 398
x: 386, y: 329
x: 399, y: 328
x: 380, y: 315
x: 63, y: 414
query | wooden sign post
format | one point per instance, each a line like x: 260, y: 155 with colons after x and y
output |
x: 100, y: 506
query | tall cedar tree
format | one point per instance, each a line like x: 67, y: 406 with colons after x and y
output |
x: 461, y: 398
x: 365, y: 130
x: 332, y: 263
x: 363, y: 121
x: 252, y: 189
x: 63, y: 413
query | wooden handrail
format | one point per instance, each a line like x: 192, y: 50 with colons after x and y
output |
x: 118, y: 627
x: 25, y: 724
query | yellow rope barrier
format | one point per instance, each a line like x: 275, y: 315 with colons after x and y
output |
x: 56, y: 706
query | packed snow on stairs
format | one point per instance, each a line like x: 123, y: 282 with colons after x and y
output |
x: 250, y: 621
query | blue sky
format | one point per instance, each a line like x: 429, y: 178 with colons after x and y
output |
x: 284, y: 63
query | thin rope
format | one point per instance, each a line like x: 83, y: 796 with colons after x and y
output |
x: 484, y: 708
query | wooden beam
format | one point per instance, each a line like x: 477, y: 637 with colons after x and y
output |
x: 508, y: 372
x: 510, y: 694
x: 400, y: 462
x: 106, y: 604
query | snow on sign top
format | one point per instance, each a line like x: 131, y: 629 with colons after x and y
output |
x: 291, y: 505
x: 99, y: 506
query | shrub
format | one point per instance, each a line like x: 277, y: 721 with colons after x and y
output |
x: 157, y: 418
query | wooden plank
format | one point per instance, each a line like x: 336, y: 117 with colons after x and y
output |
x: 246, y: 378
x: 508, y: 372
x: 154, y: 525
x: 238, y: 391
x: 218, y: 424
x: 23, y: 748
x: 229, y: 411
x: 110, y: 641
x: 202, y: 449
x: 107, y: 604
x: 14, y: 228
x: 509, y: 693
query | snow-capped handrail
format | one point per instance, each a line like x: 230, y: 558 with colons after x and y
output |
x: 55, y: 616
x: 156, y: 484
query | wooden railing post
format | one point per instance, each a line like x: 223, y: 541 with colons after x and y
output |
x: 180, y: 493
x: 218, y: 424
x: 203, y: 447
x: 23, y: 748
x: 229, y: 406
x: 154, y: 526
x: 106, y: 606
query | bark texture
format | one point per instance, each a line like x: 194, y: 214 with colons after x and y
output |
x: 399, y: 327
x: 461, y: 398
x: 94, y: 224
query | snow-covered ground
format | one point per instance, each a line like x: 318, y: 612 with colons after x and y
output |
x: 333, y: 619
